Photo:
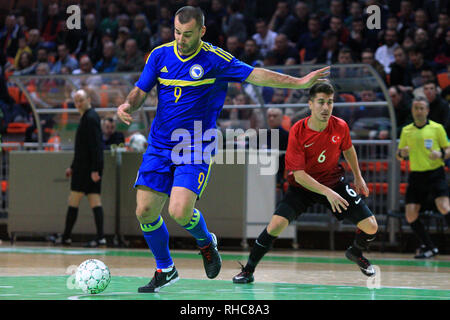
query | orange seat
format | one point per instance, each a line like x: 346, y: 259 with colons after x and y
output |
x: 5, y: 185
x: 404, y: 165
x: 17, y: 127
x: 443, y: 80
x: 286, y: 123
x: 302, y: 53
x: 348, y: 97
x: 378, y: 187
x: 14, y: 93
x: 103, y: 96
x: 403, y: 187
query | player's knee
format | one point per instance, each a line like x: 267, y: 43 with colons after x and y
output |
x: 142, y: 211
x: 180, y: 213
x: 372, y: 227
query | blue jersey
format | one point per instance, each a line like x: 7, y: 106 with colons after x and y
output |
x: 191, y: 92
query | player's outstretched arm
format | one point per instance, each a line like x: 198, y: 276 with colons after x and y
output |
x: 267, y: 78
x: 133, y: 102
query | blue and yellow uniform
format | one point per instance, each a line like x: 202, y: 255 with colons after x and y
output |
x: 191, y: 94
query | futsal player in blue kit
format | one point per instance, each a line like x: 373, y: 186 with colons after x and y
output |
x: 192, y: 79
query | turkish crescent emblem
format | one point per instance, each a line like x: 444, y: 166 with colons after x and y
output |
x: 335, y: 139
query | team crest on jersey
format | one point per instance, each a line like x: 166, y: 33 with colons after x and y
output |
x: 196, y: 71
x: 335, y: 139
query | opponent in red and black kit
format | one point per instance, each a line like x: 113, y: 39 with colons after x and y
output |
x: 315, y: 176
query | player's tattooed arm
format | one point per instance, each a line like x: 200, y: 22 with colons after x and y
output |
x: 133, y: 102
x: 267, y: 78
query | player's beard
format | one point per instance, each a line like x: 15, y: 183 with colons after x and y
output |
x: 188, y: 50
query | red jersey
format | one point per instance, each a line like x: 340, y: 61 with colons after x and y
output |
x: 317, y: 153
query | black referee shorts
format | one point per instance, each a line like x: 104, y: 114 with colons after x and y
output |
x: 426, y: 184
x: 82, y: 182
x: 297, y: 200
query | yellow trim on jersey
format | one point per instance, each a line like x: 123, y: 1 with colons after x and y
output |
x: 175, y: 49
x: 185, y: 83
x: 169, y: 44
x: 221, y: 53
x: 205, y: 182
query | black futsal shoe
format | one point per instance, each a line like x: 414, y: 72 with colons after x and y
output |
x: 211, y: 258
x: 366, y: 268
x: 160, y: 279
x: 244, y: 276
x: 424, y: 252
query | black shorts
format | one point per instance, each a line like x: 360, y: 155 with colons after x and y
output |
x: 297, y: 200
x: 425, y: 185
x: 82, y: 182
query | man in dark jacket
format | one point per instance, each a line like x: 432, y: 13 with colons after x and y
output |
x: 86, y: 170
x: 439, y: 109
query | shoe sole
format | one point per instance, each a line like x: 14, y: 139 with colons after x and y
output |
x: 349, y: 256
x: 156, y: 290
x: 240, y: 281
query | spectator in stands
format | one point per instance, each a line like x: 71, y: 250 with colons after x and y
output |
x: 427, y: 75
x: 416, y: 64
x: 64, y: 59
x: 133, y: 60
x: 26, y: 65
x: 400, y: 75
x: 311, y: 41
x: 51, y: 27
x: 123, y: 20
x: 108, y: 62
x: 90, y: 42
x: 86, y: 68
x: 124, y: 35
x: 234, y: 46
x: 427, y: 183
x: 110, y: 24
x: 443, y: 50
x: 165, y: 35
x: 264, y: 37
x: 251, y: 53
x: 336, y: 10
x: 34, y: 41
x: 422, y: 41
x: 356, y: 12
x: 337, y: 26
x: 406, y: 14
x: 360, y: 38
x: 213, y: 22
x: 401, y: 102
x: 233, y: 24
x: 285, y: 54
x: 280, y: 16
x: 9, y: 36
x: 328, y: 54
x: 23, y: 47
x: 165, y: 18
x: 296, y: 23
x: 385, y: 53
x: 367, y: 57
x: 141, y: 33
x: 110, y: 136
x: 438, y: 108
x: 437, y: 31
x: 71, y: 38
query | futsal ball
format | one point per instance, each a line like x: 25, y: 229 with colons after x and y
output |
x: 92, y: 276
x: 138, y: 142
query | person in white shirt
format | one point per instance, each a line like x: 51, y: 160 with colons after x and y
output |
x: 264, y: 37
x: 385, y: 53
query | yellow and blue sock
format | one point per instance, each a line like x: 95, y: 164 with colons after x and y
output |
x: 197, y: 228
x: 157, y: 238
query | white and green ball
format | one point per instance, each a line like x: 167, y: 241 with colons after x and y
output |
x: 92, y: 276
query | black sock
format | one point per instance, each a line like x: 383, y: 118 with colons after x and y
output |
x: 98, y: 217
x: 421, y: 233
x: 361, y: 241
x: 71, y: 218
x: 262, y: 245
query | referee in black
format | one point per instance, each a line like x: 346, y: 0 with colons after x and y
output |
x: 86, y: 170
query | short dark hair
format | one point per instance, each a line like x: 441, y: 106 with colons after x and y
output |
x: 187, y: 13
x: 322, y: 87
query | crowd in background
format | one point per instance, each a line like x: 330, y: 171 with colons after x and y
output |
x: 410, y: 52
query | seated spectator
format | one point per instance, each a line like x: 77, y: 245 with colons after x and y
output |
x: 438, y: 30
x: 26, y: 65
x: 123, y: 20
x: 422, y: 41
x: 337, y: 26
x: 71, y: 38
x: 110, y: 135
x: 86, y: 68
x: 213, y: 21
x: 416, y: 64
x: 296, y: 23
x: 108, y: 62
x: 64, y: 59
x: 124, y: 35
x: 233, y: 24
x: 328, y: 54
x: 165, y: 35
x: 356, y: 13
x: 385, y: 53
x: 439, y: 108
x: 141, y: 33
x: 279, y: 17
x: 361, y: 38
x: 367, y: 56
x: 110, y: 23
x: 51, y: 27
x: 401, y: 102
x: 311, y: 41
x: 284, y: 53
x: 34, y: 41
x: 443, y: 50
x: 234, y: 46
x: 133, y: 60
x: 251, y: 53
x: 90, y: 42
x: 264, y: 37
x: 427, y: 75
x: 9, y: 36
x: 400, y: 75
x: 406, y: 14
x: 23, y: 47
x: 337, y: 9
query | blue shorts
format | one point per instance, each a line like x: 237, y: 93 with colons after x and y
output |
x: 159, y: 173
